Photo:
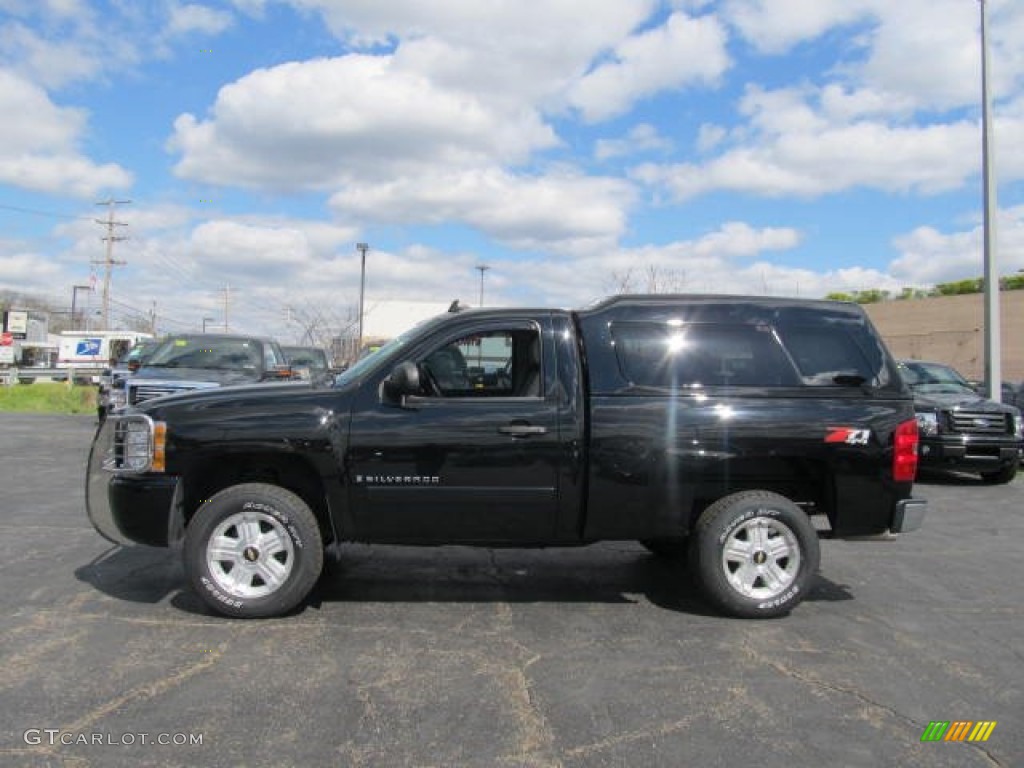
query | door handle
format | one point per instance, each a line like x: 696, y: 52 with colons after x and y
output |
x: 522, y: 430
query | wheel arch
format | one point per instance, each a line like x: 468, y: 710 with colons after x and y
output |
x: 290, y: 471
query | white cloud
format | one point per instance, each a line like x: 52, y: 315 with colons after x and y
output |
x: 920, y: 52
x: 335, y: 121
x: 731, y: 259
x: 38, y: 150
x: 682, y: 51
x: 190, y: 18
x: 928, y: 256
x: 793, y: 147
x: 710, y: 136
x: 24, y: 271
x: 641, y: 138
x: 47, y: 62
x: 774, y: 26
x: 561, y: 210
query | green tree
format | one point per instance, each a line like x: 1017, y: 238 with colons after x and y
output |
x: 1012, y: 283
x: 960, y: 287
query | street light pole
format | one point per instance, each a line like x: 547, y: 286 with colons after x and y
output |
x: 362, y: 248
x: 483, y: 268
x: 993, y: 346
x: 207, y: 320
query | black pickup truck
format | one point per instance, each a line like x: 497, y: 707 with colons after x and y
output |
x: 702, y: 426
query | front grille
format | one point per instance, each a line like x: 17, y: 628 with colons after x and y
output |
x: 981, y: 423
x: 142, y: 392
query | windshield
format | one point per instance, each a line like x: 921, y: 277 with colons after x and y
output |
x: 386, y: 352
x: 310, y: 357
x: 934, y: 378
x: 208, y: 353
x: 140, y: 352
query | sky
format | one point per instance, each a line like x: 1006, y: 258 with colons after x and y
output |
x: 575, y: 148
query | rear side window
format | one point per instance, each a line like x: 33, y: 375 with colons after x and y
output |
x: 835, y: 351
x: 696, y: 355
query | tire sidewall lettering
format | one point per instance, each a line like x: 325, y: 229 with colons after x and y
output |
x: 267, y: 509
x: 781, y: 600
x: 218, y: 595
x: 748, y: 515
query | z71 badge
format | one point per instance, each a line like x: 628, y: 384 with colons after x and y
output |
x: 848, y: 435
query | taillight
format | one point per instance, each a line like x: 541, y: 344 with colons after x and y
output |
x: 904, y: 455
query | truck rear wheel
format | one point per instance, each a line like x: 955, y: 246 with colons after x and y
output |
x: 755, y: 554
x: 253, y: 550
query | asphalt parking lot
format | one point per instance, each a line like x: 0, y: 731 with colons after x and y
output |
x: 599, y: 656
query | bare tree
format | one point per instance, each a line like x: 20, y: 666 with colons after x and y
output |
x: 649, y: 279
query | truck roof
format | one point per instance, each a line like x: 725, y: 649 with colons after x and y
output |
x: 660, y: 299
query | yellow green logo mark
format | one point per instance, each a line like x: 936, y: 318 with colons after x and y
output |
x: 958, y: 730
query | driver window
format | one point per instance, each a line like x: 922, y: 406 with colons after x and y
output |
x: 493, y: 363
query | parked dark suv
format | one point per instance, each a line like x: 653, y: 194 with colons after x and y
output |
x: 960, y: 429
x: 206, y: 361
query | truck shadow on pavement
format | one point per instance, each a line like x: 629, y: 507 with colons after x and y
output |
x: 135, y: 574
x: 604, y: 573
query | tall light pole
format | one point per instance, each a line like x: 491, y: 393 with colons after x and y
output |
x: 483, y: 268
x: 362, y: 248
x: 993, y: 346
x: 207, y: 320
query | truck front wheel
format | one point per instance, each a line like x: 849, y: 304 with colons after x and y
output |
x: 253, y: 550
x: 1002, y: 475
x: 755, y: 554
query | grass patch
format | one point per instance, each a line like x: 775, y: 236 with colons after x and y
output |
x: 47, y: 397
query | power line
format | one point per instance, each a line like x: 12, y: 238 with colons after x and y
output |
x: 48, y: 214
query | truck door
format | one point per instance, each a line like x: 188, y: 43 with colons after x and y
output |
x: 473, y: 456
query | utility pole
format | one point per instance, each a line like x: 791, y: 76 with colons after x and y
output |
x: 227, y: 301
x: 108, y: 262
x: 483, y: 268
x: 362, y: 248
x: 993, y: 345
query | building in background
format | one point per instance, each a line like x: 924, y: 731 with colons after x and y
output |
x: 950, y: 329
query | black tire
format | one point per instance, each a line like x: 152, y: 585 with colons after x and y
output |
x: 676, y: 550
x: 773, y: 554
x: 1001, y: 476
x: 268, y: 537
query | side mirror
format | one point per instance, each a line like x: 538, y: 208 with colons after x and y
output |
x: 404, y: 380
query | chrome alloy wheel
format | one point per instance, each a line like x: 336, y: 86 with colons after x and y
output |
x: 761, y: 558
x: 250, y: 554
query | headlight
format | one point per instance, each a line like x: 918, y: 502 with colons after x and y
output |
x: 138, y: 445
x: 118, y: 398
x: 928, y: 423
x: 135, y: 454
x: 1018, y: 425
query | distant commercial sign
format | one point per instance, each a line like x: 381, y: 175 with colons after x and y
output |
x: 16, y: 323
x: 88, y: 347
